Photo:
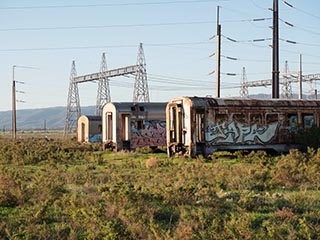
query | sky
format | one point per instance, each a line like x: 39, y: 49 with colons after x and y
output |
x: 42, y: 38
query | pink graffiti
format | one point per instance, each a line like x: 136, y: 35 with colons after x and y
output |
x: 153, y: 134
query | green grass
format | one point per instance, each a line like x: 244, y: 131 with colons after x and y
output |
x: 64, y: 190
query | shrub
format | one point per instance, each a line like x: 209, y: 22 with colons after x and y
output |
x: 152, y: 163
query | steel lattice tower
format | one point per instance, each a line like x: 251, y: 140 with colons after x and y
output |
x: 244, y: 93
x: 103, y: 94
x: 286, y: 87
x: 141, y: 91
x: 73, y: 104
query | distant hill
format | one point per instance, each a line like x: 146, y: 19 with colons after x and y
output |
x: 35, y: 118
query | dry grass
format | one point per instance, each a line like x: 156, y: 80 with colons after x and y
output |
x: 152, y: 163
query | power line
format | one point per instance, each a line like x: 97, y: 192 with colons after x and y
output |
x: 301, y: 28
x: 250, y: 40
x: 103, y: 47
x: 300, y: 10
x: 258, y: 6
x: 301, y: 43
x: 105, y: 26
x: 126, y: 25
x: 107, y: 5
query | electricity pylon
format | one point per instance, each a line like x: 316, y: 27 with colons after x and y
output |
x: 244, y: 93
x: 141, y: 91
x: 286, y: 87
x: 73, y: 103
x: 103, y: 94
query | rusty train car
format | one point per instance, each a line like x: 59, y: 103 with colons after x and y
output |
x: 127, y: 125
x: 202, y: 125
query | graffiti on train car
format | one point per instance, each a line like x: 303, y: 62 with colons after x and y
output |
x: 152, y: 134
x: 235, y: 132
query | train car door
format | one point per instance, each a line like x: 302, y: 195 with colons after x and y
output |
x: 200, y: 131
x: 83, y: 132
x: 176, y: 124
x: 126, y: 129
x: 109, y: 127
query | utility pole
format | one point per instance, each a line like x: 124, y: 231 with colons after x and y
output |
x: 14, y: 100
x: 44, y: 125
x: 300, y: 78
x: 275, y: 51
x: 14, y: 116
x: 218, y: 55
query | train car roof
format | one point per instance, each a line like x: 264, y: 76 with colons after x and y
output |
x: 242, y: 102
x: 92, y: 117
x: 139, y: 106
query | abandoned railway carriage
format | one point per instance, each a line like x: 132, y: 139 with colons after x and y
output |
x: 203, y: 125
x: 130, y: 125
x: 89, y: 129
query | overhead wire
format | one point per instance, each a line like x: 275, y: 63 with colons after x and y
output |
x: 300, y: 10
x: 125, y: 25
x: 105, y: 26
x: 106, y: 5
x: 301, y: 28
x: 103, y: 46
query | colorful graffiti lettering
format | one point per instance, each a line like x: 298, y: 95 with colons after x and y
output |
x: 235, y: 132
x: 152, y: 134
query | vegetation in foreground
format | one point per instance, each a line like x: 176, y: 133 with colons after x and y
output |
x: 64, y: 190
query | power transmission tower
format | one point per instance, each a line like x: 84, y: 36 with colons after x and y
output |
x: 244, y: 93
x: 103, y: 94
x: 286, y: 87
x: 141, y: 91
x: 73, y: 104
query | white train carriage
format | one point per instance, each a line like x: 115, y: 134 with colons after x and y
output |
x: 127, y: 125
x: 198, y: 125
x: 89, y: 129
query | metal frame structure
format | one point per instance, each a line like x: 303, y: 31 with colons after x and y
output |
x: 286, y: 79
x: 103, y: 94
x: 141, y: 91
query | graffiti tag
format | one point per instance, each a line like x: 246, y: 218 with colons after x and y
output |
x: 152, y: 134
x: 235, y: 132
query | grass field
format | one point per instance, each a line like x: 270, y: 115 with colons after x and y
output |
x: 56, y: 189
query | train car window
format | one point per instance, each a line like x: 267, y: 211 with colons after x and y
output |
x: 256, y: 118
x: 241, y: 118
x: 220, y: 118
x: 141, y: 109
x: 271, y: 118
x: 308, y: 121
x: 140, y: 125
x: 293, y: 120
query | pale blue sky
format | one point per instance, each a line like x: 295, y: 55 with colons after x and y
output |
x: 48, y: 35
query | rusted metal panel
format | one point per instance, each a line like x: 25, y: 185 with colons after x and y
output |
x: 232, y: 123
